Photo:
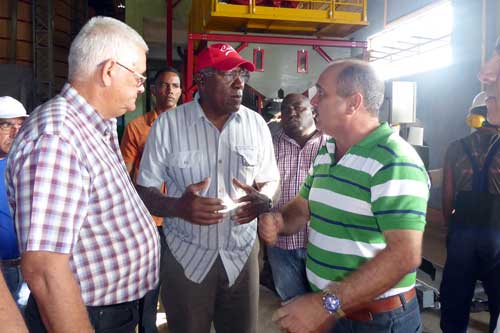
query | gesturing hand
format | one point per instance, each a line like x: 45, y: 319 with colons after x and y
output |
x: 197, y: 209
x: 269, y: 228
x: 303, y: 314
x: 254, y: 203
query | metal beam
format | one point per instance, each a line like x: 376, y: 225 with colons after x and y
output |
x: 278, y: 40
x: 13, y: 31
x: 322, y: 53
x: 169, y: 40
x: 43, y: 50
x: 246, y: 39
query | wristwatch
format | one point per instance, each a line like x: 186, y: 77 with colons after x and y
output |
x: 332, y: 305
x: 269, y: 205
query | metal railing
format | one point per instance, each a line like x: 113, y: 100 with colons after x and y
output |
x: 332, y: 6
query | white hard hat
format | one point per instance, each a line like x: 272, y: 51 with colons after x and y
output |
x: 11, y: 108
x: 479, y: 101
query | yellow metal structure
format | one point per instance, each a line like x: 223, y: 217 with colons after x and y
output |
x: 311, y: 17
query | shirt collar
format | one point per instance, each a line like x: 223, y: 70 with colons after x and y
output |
x: 197, y: 114
x: 86, y: 111
x: 377, y: 136
x: 313, y: 139
x: 150, y: 117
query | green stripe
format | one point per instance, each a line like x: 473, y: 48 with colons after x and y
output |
x: 331, y: 184
x: 337, y: 259
x: 350, y: 232
x: 397, y: 212
x: 407, y: 202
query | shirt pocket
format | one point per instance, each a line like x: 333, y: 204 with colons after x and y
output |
x: 247, y: 162
x: 248, y: 155
x: 184, y: 159
x: 183, y: 166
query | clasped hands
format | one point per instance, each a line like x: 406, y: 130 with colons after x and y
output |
x: 202, y: 210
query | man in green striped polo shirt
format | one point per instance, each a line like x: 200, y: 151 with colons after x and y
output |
x: 366, y: 198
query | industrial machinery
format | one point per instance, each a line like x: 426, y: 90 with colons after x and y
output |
x: 309, y: 37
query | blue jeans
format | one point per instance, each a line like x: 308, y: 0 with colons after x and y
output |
x: 289, y: 271
x: 473, y: 254
x: 403, y: 320
x: 17, y: 287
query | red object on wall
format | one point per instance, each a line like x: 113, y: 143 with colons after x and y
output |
x: 246, y: 2
x: 302, y: 61
x: 258, y: 59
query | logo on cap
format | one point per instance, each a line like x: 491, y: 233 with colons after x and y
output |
x: 227, y: 49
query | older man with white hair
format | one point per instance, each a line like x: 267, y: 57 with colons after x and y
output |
x: 89, y: 247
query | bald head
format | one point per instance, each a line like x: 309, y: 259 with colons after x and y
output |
x: 357, y: 76
x: 297, y: 117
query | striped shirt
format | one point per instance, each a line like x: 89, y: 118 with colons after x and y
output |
x: 183, y: 148
x: 294, y: 163
x: 70, y: 193
x: 379, y: 184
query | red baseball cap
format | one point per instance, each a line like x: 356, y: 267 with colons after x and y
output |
x: 222, y: 57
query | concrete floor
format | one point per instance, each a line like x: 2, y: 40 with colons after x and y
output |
x: 433, y: 250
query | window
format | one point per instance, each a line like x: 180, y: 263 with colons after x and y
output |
x: 417, y: 43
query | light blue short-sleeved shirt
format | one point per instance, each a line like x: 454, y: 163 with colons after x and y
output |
x: 183, y: 148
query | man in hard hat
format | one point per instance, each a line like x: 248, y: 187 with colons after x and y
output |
x: 12, y: 116
x: 471, y: 208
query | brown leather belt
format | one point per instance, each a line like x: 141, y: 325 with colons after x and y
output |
x: 11, y: 262
x: 382, y: 305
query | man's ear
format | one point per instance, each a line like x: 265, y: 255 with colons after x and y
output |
x: 199, y: 80
x: 107, y: 72
x: 355, y: 102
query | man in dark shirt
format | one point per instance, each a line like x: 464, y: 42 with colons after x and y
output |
x: 471, y: 208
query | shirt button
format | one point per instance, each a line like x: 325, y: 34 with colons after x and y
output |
x: 220, y: 161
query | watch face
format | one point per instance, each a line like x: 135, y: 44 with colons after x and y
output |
x: 331, y: 303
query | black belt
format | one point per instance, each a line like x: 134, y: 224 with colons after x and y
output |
x: 11, y: 262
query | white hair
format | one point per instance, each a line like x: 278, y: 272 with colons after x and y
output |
x: 102, y: 38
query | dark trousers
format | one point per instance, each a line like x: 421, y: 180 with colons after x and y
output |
x: 191, y: 307
x: 119, y: 318
x: 148, y: 304
x: 473, y: 254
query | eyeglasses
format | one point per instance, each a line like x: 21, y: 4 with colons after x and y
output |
x: 7, y: 126
x: 139, y: 78
x: 230, y: 76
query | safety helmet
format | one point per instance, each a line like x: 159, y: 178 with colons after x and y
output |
x: 478, y: 111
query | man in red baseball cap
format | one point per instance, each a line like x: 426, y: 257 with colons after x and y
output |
x: 210, y: 153
x: 222, y: 57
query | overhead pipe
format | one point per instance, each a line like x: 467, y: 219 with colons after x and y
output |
x: 169, y: 41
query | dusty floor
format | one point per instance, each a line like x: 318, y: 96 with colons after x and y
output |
x: 269, y: 303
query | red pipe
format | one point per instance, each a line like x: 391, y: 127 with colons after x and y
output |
x: 241, y: 47
x: 169, y: 33
x: 279, y: 40
x: 322, y: 53
x: 188, y: 87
